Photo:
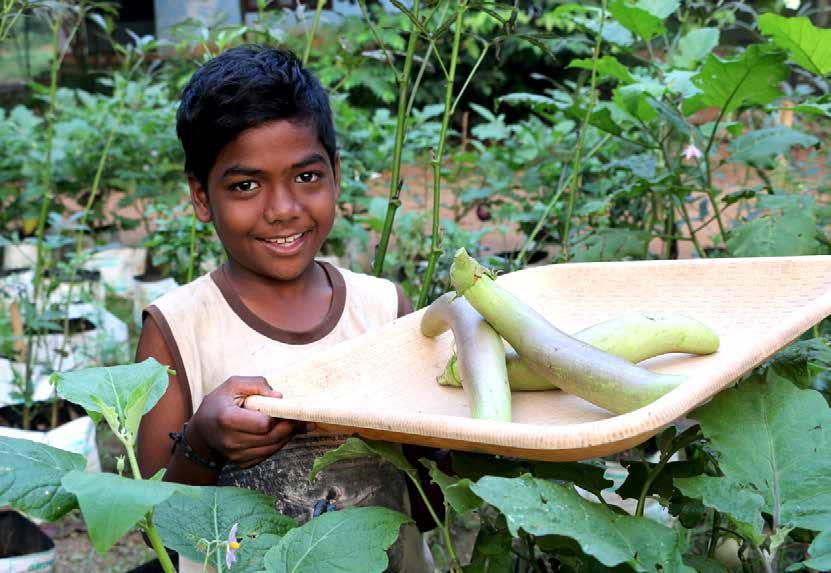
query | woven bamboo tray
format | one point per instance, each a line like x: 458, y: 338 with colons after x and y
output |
x: 382, y: 384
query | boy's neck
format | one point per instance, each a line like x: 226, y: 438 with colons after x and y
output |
x: 250, y: 285
x: 297, y: 305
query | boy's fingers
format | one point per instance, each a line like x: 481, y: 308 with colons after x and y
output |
x: 247, y: 421
x: 253, y: 456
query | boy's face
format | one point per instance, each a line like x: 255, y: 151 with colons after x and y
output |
x: 271, y: 196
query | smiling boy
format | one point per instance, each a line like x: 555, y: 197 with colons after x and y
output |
x: 262, y: 166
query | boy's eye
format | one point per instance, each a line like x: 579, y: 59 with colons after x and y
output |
x: 247, y: 185
x: 308, y: 177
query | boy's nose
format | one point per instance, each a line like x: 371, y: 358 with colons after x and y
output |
x: 282, y: 206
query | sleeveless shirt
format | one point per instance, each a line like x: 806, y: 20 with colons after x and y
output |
x: 212, y: 335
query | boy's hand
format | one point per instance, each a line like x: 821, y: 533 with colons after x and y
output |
x: 225, y: 431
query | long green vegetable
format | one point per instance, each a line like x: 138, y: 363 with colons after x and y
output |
x: 481, y: 355
x: 633, y: 337
x: 576, y: 367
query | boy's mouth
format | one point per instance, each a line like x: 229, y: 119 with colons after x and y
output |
x: 286, y: 244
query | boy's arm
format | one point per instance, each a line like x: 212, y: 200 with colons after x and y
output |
x: 168, y: 415
x: 220, y: 430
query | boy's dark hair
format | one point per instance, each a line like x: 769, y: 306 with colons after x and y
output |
x: 242, y: 88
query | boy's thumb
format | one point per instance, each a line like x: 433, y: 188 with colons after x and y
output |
x: 254, y: 385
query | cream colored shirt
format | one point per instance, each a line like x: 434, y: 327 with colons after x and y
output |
x: 212, y: 336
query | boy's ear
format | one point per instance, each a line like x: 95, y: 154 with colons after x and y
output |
x: 336, y: 170
x: 199, y: 199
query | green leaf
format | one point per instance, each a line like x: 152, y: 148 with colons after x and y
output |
x: 183, y: 521
x: 476, y: 466
x: 751, y: 78
x: 120, y: 387
x: 807, y: 45
x: 30, y: 478
x: 456, y: 490
x: 612, y: 244
x: 492, y: 551
x: 742, y: 505
x: 642, y: 165
x: 587, y: 476
x: 347, y: 541
x: 820, y: 552
x: 705, y: 564
x: 694, y: 47
x: 636, y: 19
x: 815, y: 106
x: 788, y: 230
x: 637, y: 99
x: 112, y: 505
x: 607, y: 67
x: 662, y: 9
x: 541, y: 507
x: 358, y: 448
x: 775, y: 440
x: 761, y: 147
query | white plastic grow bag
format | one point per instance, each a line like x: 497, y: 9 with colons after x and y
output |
x: 77, y: 436
x: 12, y: 372
x: 19, y: 255
x: 118, y: 266
x: 107, y: 342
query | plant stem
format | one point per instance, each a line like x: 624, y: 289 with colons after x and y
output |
x: 46, y: 200
x: 396, y: 182
x: 435, y: 251
x: 686, y: 216
x: 646, y: 485
x: 378, y: 40
x: 310, y: 38
x: 158, y: 546
x: 445, y: 529
x: 714, y: 534
x: 520, y: 258
x: 576, y: 165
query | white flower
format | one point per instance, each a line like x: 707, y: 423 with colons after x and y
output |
x: 691, y: 152
x: 792, y: 4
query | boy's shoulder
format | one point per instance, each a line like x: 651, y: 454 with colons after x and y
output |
x: 200, y: 291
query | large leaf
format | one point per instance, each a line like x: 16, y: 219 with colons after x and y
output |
x: 30, y: 478
x: 751, y: 78
x: 819, y: 554
x: 741, y: 504
x: 761, y: 147
x: 183, y: 521
x: 807, y: 45
x: 492, y: 550
x: 638, y: 20
x: 127, y: 391
x: 541, y: 507
x: 612, y: 244
x: 815, y: 106
x: 456, y: 491
x: 694, y: 47
x: 358, y: 448
x: 774, y: 439
x: 112, y: 505
x: 788, y: 230
x: 662, y: 9
x: 607, y: 67
x: 351, y: 540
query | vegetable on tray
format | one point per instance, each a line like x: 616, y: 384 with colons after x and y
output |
x: 633, y: 337
x: 481, y: 353
x: 564, y: 361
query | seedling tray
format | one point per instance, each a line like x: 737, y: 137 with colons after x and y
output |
x: 382, y: 385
